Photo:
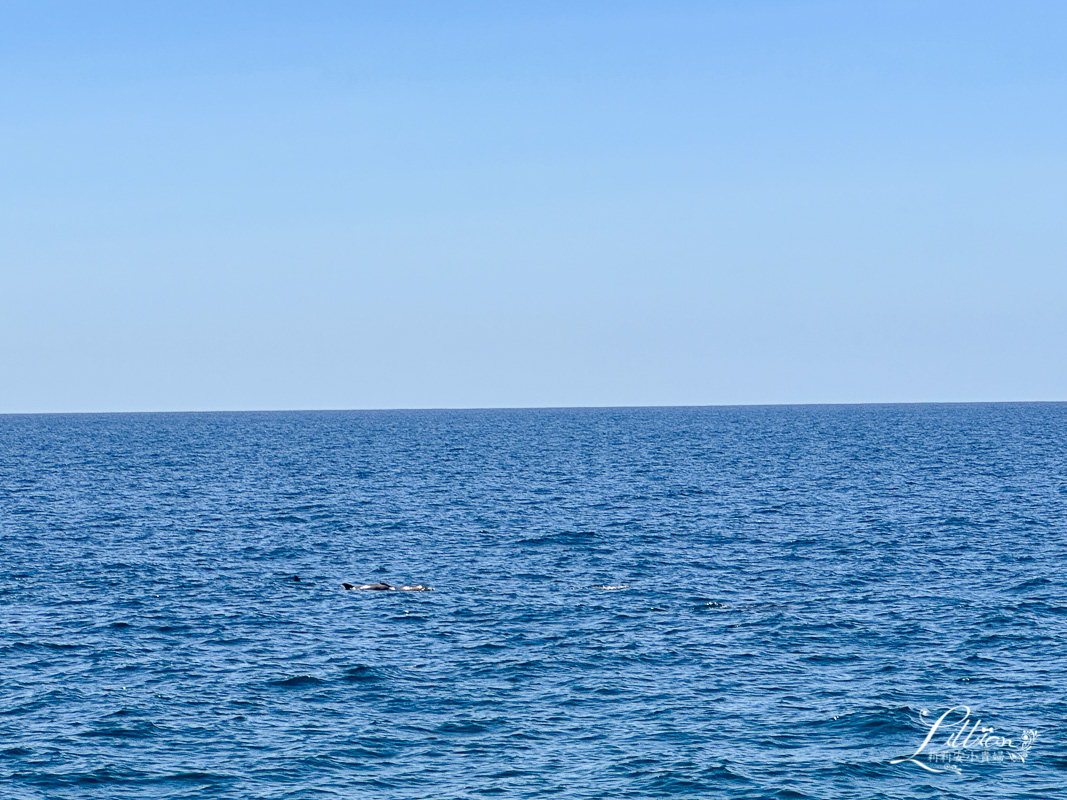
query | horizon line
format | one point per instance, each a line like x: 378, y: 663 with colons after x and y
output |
x: 528, y: 408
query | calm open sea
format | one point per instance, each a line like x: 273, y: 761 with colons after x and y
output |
x: 752, y: 602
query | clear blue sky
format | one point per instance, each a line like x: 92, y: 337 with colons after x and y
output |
x: 268, y: 205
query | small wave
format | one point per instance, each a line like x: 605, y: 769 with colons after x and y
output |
x: 194, y: 777
x: 361, y: 673
x: 297, y: 681
x: 828, y: 658
x: 687, y: 491
x: 792, y: 794
x: 771, y: 509
x: 1033, y: 583
x: 869, y: 720
x: 98, y: 777
x: 465, y: 726
x: 141, y: 730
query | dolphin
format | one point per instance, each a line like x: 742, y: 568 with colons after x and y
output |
x: 385, y: 587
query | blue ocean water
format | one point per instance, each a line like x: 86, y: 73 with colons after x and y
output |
x: 751, y: 602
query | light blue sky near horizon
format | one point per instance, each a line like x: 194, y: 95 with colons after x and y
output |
x: 280, y: 205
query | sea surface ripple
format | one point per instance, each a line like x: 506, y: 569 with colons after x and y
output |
x: 747, y: 602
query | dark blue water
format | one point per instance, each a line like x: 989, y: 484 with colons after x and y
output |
x: 691, y: 602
